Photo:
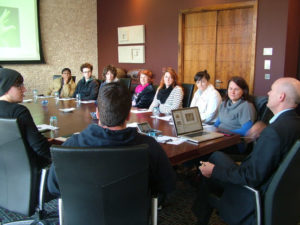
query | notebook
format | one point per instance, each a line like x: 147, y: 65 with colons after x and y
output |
x: 188, y: 125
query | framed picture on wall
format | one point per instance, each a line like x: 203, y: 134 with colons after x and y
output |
x: 131, y: 54
x: 131, y: 35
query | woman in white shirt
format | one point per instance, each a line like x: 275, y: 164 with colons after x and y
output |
x: 169, y: 94
x: 206, y: 98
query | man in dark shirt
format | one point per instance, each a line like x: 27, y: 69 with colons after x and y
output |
x: 11, y: 93
x: 226, y: 178
x: 88, y: 86
x: 114, y: 103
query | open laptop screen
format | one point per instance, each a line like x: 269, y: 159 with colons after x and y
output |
x: 187, y: 120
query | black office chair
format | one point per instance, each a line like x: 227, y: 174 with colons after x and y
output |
x: 222, y: 92
x: 188, y: 90
x: 280, y: 204
x: 59, y: 76
x: 126, y: 82
x: 103, y: 185
x: 263, y: 112
x: 21, y: 182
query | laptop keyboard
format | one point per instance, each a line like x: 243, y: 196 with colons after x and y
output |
x: 200, y: 133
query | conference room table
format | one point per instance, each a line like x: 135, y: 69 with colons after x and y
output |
x: 78, y: 119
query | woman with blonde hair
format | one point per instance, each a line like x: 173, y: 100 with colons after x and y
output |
x: 169, y: 94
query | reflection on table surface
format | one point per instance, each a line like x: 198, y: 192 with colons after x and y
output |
x: 80, y: 118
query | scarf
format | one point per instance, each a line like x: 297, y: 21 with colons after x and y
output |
x: 140, y: 88
x: 164, y: 93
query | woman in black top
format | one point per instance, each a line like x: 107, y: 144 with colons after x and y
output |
x: 144, y: 92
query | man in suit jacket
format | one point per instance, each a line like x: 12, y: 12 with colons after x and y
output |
x: 225, y: 178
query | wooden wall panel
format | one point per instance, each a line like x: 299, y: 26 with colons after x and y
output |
x: 199, y: 44
x: 234, y: 45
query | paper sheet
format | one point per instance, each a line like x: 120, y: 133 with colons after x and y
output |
x: 140, y: 110
x: 86, y: 102
x: 67, y: 109
x: 27, y: 100
x: 45, y: 127
x: 169, y: 140
x: 65, y: 99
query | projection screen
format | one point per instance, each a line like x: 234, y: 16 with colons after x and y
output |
x: 19, y: 32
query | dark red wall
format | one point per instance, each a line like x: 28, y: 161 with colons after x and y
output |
x: 272, y: 30
x: 160, y: 18
x: 293, y: 39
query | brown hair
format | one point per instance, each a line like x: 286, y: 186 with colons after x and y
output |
x: 86, y: 65
x: 110, y: 68
x: 239, y: 81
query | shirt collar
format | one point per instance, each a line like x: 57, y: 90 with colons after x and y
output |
x: 277, y: 115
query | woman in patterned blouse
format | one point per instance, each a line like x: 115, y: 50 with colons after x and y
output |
x: 169, y: 94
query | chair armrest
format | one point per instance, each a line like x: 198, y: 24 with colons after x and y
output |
x: 43, y: 184
x: 258, y: 205
x: 60, y: 211
x: 154, y: 208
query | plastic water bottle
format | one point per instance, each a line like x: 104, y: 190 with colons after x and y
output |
x: 78, y: 97
x: 35, y: 93
x: 53, y: 121
x: 56, y: 95
x: 155, y: 111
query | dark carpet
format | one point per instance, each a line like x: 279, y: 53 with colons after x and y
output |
x: 176, y: 210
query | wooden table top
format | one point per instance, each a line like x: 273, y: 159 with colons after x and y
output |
x: 80, y: 118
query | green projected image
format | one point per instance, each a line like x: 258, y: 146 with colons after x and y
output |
x: 9, y: 27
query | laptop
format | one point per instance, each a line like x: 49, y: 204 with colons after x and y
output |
x: 188, y: 125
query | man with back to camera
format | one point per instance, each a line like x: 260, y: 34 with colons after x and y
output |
x: 114, y: 103
x: 88, y: 86
x: 237, y: 205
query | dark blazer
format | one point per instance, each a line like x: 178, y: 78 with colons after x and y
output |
x: 237, y: 205
x: 145, y: 98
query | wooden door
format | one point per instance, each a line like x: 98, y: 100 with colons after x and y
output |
x: 220, y: 39
x: 199, y: 44
x: 234, y: 42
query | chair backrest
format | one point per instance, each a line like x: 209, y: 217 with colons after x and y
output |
x: 126, y: 82
x: 281, y: 200
x: 59, y: 76
x: 223, y: 92
x: 19, y: 176
x: 103, y: 185
x: 263, y: 112
x: 188, y: 90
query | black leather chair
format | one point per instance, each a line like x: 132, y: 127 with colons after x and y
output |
x: 263, y: 112
x: 126, y: 82
x: 280, y: 204
x: 59, y: 76
x: 21, y: 181
x: 188, y: 90
x: 103, y: 185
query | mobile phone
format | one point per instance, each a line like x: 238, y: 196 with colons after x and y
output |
x: 145, y: 128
